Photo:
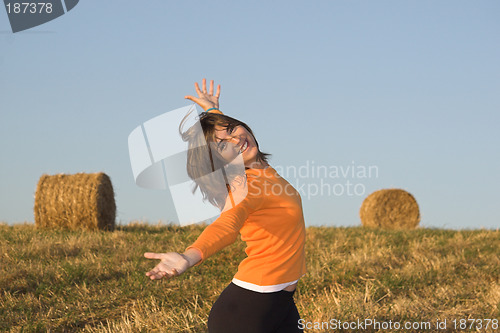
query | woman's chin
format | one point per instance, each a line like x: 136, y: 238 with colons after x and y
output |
x: 250, y: 155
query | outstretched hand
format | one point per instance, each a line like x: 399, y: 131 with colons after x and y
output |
x: 171, y: 264
x: 206, y: 100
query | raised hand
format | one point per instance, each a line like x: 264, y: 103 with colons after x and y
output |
x: 171, y: 264
x: 206, y: 100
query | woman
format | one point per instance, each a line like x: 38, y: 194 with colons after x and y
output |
x: 269, y: 218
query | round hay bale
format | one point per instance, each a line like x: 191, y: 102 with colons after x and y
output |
x: 79, y: 201
x: 390, y: 209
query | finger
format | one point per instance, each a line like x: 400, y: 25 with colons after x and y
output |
x: 157, y: 276
x: 217, y: 94
x: 192, y: 98
x: 151, y: 273
x: 197, y: 87
x: 163, y: 274
x: 211, y: 92
x: 151, y: 255
x: 204, y: 85
x: 156, y: 273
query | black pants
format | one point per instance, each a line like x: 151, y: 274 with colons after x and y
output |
x: 239, y: 310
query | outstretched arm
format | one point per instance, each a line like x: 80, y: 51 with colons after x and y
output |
x: 207, y: 100
x: 219, y: 234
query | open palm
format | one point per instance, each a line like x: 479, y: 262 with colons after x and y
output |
x: 171, y: 264
x: 206, y: 100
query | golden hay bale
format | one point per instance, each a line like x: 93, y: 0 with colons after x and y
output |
x: 80, y: 201
x: 391, y: 209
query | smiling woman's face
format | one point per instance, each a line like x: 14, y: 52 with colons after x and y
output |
x: 230, y: 143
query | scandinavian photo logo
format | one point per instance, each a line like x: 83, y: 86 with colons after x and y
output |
x: 25, y: 15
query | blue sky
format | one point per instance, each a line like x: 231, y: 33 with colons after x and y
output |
x: 411, y: 87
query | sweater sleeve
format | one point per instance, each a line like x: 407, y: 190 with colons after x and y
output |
x: 224, y: 230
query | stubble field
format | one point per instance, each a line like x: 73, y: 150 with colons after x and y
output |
x: 424, y: 280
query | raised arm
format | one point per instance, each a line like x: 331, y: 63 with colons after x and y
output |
x: 207, y: 100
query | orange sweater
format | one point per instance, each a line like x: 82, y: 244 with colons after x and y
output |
x: 271, y: 222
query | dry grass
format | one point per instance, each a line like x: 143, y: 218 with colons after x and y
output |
x: 79, y: 201
x: 94, y: 281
